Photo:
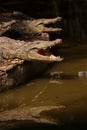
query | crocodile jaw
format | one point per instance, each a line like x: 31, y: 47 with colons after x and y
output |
x: 40, y: 53
x: 48, y: 58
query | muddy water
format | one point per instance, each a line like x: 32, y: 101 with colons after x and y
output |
x: 57, y: 97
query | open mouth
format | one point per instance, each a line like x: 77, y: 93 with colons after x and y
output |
x: 46, y: 55
x: 44, y: 52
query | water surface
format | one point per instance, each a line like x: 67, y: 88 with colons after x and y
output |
x: 63, y: 86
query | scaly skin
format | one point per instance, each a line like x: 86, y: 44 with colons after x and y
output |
x: 31, y: 46
x: 36, y: 26
x: 5, y: 26
x: 12, y: 49
x: 13, y: 53
x: 29, y: 27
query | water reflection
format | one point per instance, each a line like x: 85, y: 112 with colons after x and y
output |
x: 82, y: 74
x: 65, y: 84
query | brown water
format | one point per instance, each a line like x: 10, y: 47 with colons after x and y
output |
x: 65, y: 89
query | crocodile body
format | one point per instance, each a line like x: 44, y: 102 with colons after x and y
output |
x: 22, y: 56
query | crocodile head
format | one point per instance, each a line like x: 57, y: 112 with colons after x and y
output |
x: 28, y: 51
x: 39, y: 51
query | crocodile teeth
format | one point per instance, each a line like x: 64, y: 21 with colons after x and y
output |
x: 55, y: 58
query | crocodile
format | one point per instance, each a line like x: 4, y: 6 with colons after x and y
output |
x: 35, y: 50
x: 29, y: 28
x: 20, y: 58
x: 13, y: 53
